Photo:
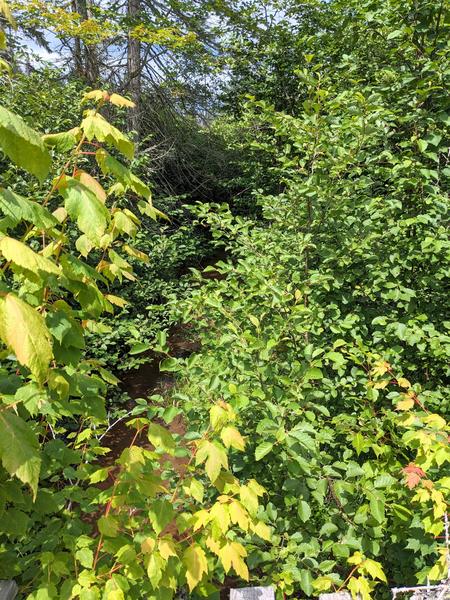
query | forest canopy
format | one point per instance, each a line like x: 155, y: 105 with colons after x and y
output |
x: 224, y: 330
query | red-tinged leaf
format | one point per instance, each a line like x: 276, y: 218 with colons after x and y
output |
x: 413, y: 475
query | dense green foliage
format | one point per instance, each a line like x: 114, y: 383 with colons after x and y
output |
x: 305, y: 444
x: 343, y: 282
x: 54, y: 414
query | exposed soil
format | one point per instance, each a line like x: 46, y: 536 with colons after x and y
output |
x: 143, y: 382
x: 147, y: 380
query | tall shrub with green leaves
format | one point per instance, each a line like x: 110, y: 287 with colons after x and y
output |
x: 328, y: 332
x: 163, y: 512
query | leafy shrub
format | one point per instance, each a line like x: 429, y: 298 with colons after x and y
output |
x: 328, y: 331
x: 73, y: 525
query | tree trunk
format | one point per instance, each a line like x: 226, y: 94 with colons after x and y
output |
x: 77, y: 51
x: 134, y: 68
x: 85, y: 55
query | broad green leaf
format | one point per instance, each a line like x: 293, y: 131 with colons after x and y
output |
x: 160, y: 514
x: 43, y: 592
x: 19, y: 449
x: 377, y: 508
x: 85, y: 557
x: 23, y: 145
x: 359, y: 442
x: 110, y: 166
x: 194, y: 561
x: 139, y: 348
x: 303, y: 511
x: 83, y: 205
x: 401, y: 512
x: 24, y: 331
x: 161, y: 438
x: 170, y: 364
x: 24, y: 257
x: 89, y: 594
x: 16, y: 208
x: 63, y: 141
x: 306, y: 581
x: 95, y: 126
x: 328, y: 529
x: 126, y: 554
x: 32, y: 397
x: 64, y: 328
x: 322, y: 583
x: 262, y: 450
x: 155, y: 567
x: 423, y: 144
x: 197, y: 490
x: 15, y: 522
x: 108, y: 526
x: 313, y: 374
x: 384, y: 481
x: 147, y: 208
x: 99, y: 475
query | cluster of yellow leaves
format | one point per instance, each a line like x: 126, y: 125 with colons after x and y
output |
x: 65, y: 22
x: 427, y: 436
x: 96, y: 28
x: 212, y: 529
x: 364, y: 576
x: 103, y: 96
x: 365, y: 567
x: 220, y: 518
x: 236, y: 506
x: 213, y: 453
x: 165, y: 36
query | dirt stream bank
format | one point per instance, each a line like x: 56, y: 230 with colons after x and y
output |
x: 147, y: 380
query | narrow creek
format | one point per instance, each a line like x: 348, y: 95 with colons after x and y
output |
x: 147, y: 379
